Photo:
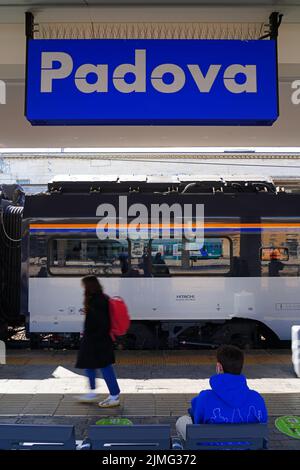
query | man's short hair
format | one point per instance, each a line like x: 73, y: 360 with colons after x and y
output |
x: 231, y: 358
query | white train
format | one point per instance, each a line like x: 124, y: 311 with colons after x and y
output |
x: 240, y: 285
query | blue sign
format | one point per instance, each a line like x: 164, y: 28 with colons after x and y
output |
x: 173, y: 82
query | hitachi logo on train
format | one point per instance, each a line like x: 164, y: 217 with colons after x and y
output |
x: 133, y: 77
x: 185, y: 297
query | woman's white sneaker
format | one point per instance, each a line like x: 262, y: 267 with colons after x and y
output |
x: 88, y: 398
x: 110, y: 402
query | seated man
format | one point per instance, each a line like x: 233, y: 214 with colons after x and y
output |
x: 229, y: 400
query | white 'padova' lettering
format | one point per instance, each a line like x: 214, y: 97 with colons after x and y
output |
x: 204, y: 83
x: 158, y: 75
x: 49, y: 73
x: 296, y: 94
x: 250, y: 83
x: 137, y: 70
x: 100, y: 85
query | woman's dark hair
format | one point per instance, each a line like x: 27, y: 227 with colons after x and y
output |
x: 91, y: 287
x: 231, y: 358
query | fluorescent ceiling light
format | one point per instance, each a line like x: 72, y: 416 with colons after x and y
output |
x: 30, y: 150
x: 159, y: 150
x: 145, y: 150
x: 277, y: 149
x: 184, y: 150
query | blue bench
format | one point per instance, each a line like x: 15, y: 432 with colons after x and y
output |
x: 36, y: 437
x: 143, y: 437
x: 226, y: 436
x: 136, y: 437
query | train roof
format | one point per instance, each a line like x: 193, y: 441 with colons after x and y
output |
x: 207, y: 184
x: 79, y: 196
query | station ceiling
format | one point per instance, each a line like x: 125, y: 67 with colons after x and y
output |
x: 207, y: 3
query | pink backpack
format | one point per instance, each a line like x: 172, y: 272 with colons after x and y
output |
x: 119, y: 317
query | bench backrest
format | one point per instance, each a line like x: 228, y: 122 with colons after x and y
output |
x: 226, y: 436
x: 36, y: 437
x: 148, y: 437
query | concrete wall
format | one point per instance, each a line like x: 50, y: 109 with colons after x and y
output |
x: 40, y: 170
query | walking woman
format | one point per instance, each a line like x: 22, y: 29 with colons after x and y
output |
x: 96, y: 348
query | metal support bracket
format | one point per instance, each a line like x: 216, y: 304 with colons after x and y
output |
x: 29, y: 25
x: 275, y: 20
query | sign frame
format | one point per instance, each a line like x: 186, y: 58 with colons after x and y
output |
x: 39, y: 111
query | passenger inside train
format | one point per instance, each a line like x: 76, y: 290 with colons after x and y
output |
x: 275, y: 265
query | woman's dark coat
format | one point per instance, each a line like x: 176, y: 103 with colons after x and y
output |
x: 96, y: 348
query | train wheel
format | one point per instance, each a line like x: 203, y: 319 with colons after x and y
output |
x: 3, y: 330
x: 139, y: 336
x: 255, y: 336
x: 34, y: 340
x: 266, y: 338
x: 242, y: 342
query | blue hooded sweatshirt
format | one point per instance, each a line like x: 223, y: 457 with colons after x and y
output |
x: 229, y: 401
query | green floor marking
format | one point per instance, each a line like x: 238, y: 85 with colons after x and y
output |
x: 114, y: 422
x: 289, y: 425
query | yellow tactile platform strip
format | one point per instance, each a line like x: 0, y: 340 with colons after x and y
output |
x: 133, y: 404
x: 146, y: 358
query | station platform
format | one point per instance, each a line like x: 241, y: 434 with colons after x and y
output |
x: 157, y: 386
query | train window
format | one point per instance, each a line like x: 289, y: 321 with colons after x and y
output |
x: 182, y: 258
x: 276, y: 262
x: 79, y: 257
x: 280, y: 253
x: 38, y: 257
x: 140, y: 259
